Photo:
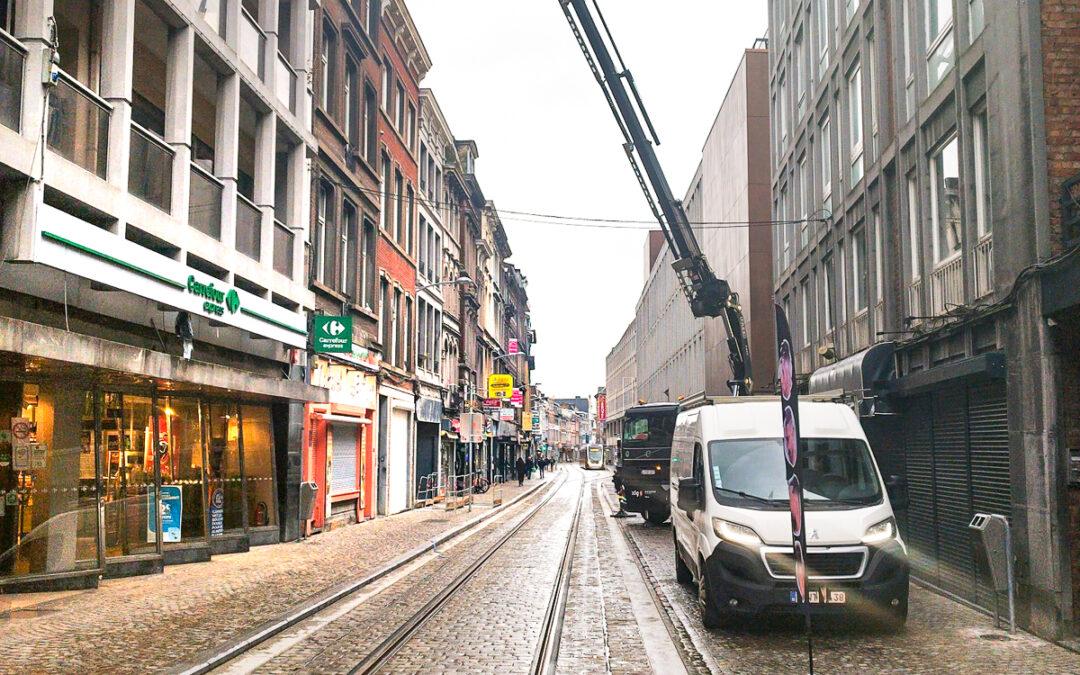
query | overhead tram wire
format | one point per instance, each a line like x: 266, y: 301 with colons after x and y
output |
x: 593, y: 222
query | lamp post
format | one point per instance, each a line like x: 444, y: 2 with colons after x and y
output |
x: 463, y: 280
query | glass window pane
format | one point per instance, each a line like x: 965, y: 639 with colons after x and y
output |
x: 224, y: 480
x: 128, y: 474
x: 48, y: 513
x: 947, y: 216
x: 259, y: 466
x: 180, y: 424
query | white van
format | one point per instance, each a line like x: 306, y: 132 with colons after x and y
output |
x: 732, y: 523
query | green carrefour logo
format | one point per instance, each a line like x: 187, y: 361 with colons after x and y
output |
x: 333, y: 334
x: 232, y: 301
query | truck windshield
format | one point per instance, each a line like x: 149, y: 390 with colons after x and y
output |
x: 837, y: 473
x: 649, y: 430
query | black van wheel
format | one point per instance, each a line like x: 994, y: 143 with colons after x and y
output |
x: 657, y: 517
x: 682, y: 570
x: 711, y: 616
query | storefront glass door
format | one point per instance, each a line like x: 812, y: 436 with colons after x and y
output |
x: 258, y: 441
x: 127, y: 474
x: 183, y: 456
x: 224, y: 475
x: 48, y: 479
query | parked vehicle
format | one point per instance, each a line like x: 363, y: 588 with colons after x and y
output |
x: 732, y: 524
x: 642, y: 463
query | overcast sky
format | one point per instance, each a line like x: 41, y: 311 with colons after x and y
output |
x: 509, y: 75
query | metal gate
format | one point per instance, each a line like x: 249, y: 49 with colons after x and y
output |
x: 343, y: 459
x: 957, y: 464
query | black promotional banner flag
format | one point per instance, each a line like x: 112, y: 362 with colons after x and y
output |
x: 789, y: 403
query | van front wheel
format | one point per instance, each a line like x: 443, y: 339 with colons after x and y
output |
x: 711, y: 616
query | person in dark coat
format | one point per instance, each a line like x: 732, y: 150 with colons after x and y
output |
x: 520, y: 466
x: 542, y: 463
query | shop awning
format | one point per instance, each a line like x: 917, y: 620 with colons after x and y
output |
x: 33, y: 341
x: 861, y: 377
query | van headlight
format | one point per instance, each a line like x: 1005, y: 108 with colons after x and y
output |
x: 735, y: 533
x: 883, y: 531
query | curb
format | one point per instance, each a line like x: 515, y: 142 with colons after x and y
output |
x: 214, y: 657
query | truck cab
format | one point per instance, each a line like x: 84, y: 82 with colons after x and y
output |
x: 731, y: 517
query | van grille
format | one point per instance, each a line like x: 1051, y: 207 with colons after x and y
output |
x: 818, y: 564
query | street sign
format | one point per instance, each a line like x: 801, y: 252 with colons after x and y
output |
x: 492, y: 403
x: 506, y: 414
x: 472, y: 428
x: 333, y: 334
x: 500, y: 386
x: 517, y: 399
x: 513, y: 348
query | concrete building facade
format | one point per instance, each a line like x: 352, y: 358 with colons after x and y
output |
x: 929, y: 137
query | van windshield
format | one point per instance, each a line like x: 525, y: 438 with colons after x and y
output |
x: 838, y: 473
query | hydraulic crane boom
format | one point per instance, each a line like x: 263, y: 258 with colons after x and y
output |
x: 708, y: 295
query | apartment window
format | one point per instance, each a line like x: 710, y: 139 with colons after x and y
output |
x: 855, y: 122
x: 436, y: 260
x: 352, y: 106
x: 849, y: 10
x: 384, y: 212
x: 805, y: 189
x: 406, y: 336
x: 825, y: 148
x: 411, y: 135
x: 913, y: 227
x: 387, y: 84
x: 384, y: 318
x: 879, y: 260
x: 804, y: 314
x: 939, y: 40
x: 319, y: 231
x: 371, y: 123
x: 422, y: 338
x: 909, y: 72
x: 422, y: 259
x: 976, y: 18
x: 399, y: 207
x: 871, y: 83
x: 347, y: 281
x: 799, y: 75
x: 821, y: 15
x: 945, y: 200
x: 329, y: 68
x: 982, y: 174
x: 373, y: 16
x: 785, y: 257
x: 410, y: 219
x: 423, y: 168
x: 783, y: 102
x: 858, y: 271
x: 396, y: 350
x: 841, y: 254
x: 367, y: 267
x: 399, y: 108
x: 827, y: 294
x: 437, y: 341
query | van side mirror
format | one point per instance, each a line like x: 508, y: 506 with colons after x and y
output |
x: 689, y: 494
x: 897, y: 488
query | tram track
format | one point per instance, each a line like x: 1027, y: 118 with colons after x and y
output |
x: 546, y: 653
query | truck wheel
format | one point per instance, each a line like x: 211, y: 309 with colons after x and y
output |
x: 711, y: 615
x: 682, y: 570
x: 657, y: 517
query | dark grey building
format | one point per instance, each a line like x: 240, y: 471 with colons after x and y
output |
x: 914, y: 151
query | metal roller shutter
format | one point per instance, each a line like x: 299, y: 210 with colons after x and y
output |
x: 921, y: 526
x: 988, y: 439
x: 343, y: 460
x: 952, y: 492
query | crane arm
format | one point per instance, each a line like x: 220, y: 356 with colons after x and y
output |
x: 708, y: 295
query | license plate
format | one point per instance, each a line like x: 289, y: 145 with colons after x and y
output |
x: 826, y: 597
x: 648, y: 472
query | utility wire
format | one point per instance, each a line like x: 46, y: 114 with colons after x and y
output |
x: 591, y: 221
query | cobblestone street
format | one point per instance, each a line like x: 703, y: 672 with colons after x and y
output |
x: 169, y: 618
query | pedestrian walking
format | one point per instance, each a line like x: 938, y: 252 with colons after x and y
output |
x: 530, y: 466
x: 520, y: 466
x: 541, y: 463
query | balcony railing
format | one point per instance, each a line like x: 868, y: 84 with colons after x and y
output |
x: 947, y: 285
x: 12, y: 57
x: 285, y: 82
x: 252, y: 41
x: 150, y: 173
x: 914, y: 300
x: 79, y: 125
x: 248, y: 228
x: 804, y: 361
x: 283, y: 249
x: 204, y: 202
x: 860, y: 331
x: 984, y: 266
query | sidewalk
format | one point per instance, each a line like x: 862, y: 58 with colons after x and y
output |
x: 146, y: 623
